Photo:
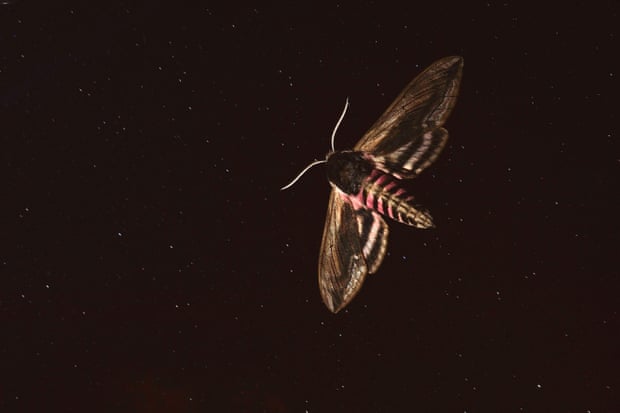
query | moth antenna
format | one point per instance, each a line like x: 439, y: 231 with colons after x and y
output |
x: 301, y: 173
x: 346, y: 105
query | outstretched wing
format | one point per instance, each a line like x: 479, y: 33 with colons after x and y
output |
x: 354, y: 244
x: 409, y: 136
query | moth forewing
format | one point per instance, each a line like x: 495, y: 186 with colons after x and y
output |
x: 342, y: 267
x: 408, y: 136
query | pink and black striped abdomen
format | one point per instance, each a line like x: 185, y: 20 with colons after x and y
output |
x: 381, y: 192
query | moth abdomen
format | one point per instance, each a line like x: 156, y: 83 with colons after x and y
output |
x: 381, y: 192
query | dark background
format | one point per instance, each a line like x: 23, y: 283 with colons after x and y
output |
x: 149, y: 261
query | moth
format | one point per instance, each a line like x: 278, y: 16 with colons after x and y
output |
x: 366, y: 181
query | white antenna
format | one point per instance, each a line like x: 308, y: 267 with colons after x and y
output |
x: 346, y: 105
x: 302, y: 172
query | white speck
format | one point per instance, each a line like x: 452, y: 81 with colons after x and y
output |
x: 47, y: 286
x: 171, y: 246
x: 539, y: 386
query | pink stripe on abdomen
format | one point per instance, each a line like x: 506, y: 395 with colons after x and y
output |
x: 370, y: 198
x: 380, y: 205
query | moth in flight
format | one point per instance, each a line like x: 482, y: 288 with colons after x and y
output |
x: 366, y: 181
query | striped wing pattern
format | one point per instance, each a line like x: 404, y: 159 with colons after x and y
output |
x: 373, y: 233
x: 354, y: 244
x: 409, y: 135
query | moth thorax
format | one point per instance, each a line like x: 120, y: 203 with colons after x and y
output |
x: 347, y: 170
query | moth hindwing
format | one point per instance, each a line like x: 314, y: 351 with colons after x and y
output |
x: 366, y: 186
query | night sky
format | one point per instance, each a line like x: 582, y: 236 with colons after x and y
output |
x: 150, y: 263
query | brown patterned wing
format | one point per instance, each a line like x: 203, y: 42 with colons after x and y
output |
x: 409, y: 135
x: 353, y: 245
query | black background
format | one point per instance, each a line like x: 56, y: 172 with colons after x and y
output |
x: 149, y: 261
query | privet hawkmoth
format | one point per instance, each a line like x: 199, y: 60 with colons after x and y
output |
x: 365, y: 181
